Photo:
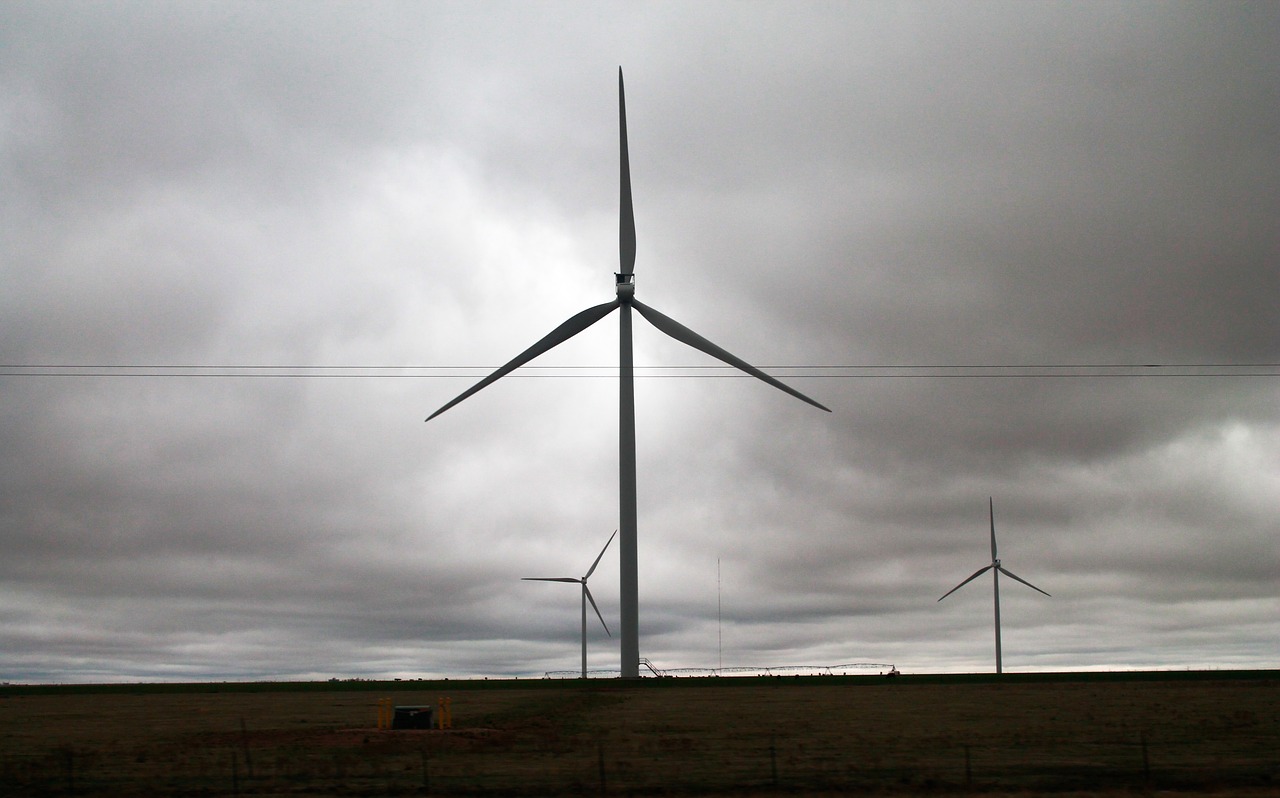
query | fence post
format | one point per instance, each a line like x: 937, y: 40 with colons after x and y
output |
x: 1146, y: 760
x: 244, y: 739
x: 773, y: 760
x: 968, y: 768
x: 600, y: 762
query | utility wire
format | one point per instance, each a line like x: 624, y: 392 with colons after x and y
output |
x: 887, y: 371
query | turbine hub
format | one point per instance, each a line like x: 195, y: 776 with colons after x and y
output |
x: 626, y: 285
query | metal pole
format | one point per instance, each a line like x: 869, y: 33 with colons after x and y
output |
x: 627, y: 554
x: 996, y: 575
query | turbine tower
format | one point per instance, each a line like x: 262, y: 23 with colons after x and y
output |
x: 586, y: 596
x: 624, y: 280
x: 996, y: 569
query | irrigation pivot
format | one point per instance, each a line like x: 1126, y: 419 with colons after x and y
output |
x: 624, y: 282
x: 586, y: 596
x: 996, y: 569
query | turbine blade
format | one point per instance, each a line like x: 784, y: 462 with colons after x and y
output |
x: 686, y: 336
x: 559, y: 335
x: 1012, y: 575
x: 991, y: 508
x: 597, y: 609
x: 626, y: 215
x: 976, y: 574
x: 598, y: 557
x: 549, y: 579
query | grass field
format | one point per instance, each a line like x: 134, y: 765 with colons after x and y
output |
x: 1044, y: 733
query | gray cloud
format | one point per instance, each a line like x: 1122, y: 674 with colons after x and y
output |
x: 396, y: 185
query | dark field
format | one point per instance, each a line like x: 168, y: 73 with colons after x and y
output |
x: 1046, y: 733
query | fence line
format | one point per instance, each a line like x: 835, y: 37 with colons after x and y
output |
x: 762, y: 760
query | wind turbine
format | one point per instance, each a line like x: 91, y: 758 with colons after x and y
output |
x: 586, y: 596
x: 996, y: 569
x: 624, y: 280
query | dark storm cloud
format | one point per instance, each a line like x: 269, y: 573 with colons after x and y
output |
x: 392, y: 184
x: 1065, y: 151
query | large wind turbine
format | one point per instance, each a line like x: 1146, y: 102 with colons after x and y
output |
x: 996, y: 569
x: 586, y: 596
x: 624, y: 280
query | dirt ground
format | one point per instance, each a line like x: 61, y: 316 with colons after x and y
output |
x: 701, y: 737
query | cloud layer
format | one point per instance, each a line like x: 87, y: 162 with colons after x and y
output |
x: 247, y: 249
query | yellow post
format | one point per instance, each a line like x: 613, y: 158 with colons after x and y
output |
x: 384, y: 713
x: 445, y: 713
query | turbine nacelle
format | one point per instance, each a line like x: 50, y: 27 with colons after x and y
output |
x: 626, y: 285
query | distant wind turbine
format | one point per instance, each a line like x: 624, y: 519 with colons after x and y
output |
x: 996, y: 569
x: 625, y: 286
x: 586, y: 596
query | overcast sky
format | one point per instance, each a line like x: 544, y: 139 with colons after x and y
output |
x: 246, y: 249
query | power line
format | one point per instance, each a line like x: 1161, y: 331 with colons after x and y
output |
x: 885, y: 365
x: 809, y: 371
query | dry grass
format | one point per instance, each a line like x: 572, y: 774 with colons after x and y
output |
x: 793, y: 737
